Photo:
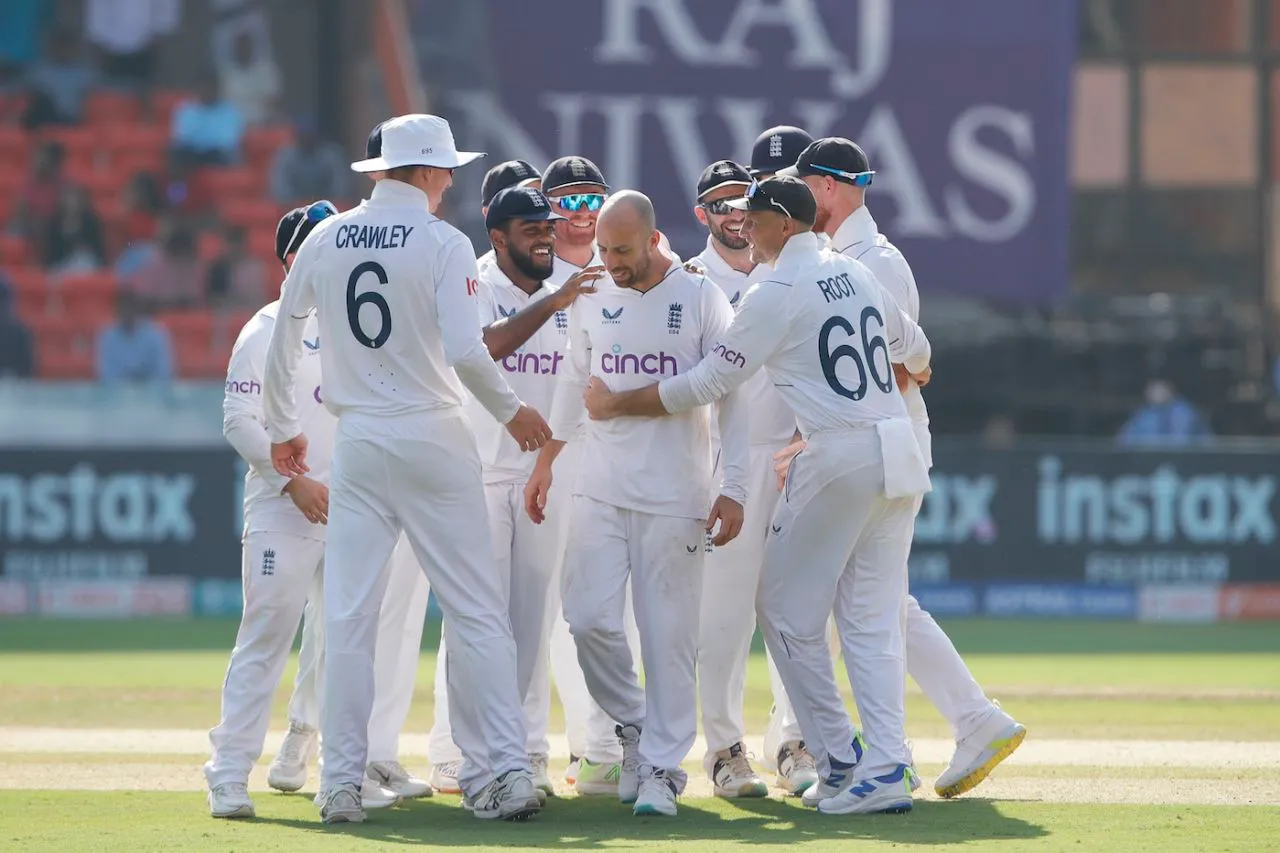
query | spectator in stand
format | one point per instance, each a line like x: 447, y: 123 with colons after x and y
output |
x: 207, y: 130
x: 126, y: 35
x: 134, y: 348
x: 142, y: 251
x: 74, y: 240
x: 1166, y: 419
x: 140, y: 208
x: 21, y: 25
x: 58, y: 82
x: 251, y: 81
x: 17, y: 350
x: 37, y: 202
x: 236, y: 278
x: 174, y: 277
x: 308, y: 168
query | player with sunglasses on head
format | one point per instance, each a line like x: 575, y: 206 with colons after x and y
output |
x: 728, y: 617
x: 838, y: 173
x: 577, y: 190
x: 282, y: 566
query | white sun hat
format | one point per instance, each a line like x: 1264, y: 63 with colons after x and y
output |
x: 417, y: 140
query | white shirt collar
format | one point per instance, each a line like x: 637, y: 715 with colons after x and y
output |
x: 860, y: 227
x: 399, y: 194
x: 801, y: 250
x: 716, y: 263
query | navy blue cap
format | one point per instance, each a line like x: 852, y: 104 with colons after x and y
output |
x: 722, y: 173
x: 294, y: 226
x: 777, y: 148
x: 373, y: 147
x: 568, y: 171
x: 513, y: 173
x: 284, y: 230
x: 833, y: 157
x: 518, y: 203
x: 788, y: 196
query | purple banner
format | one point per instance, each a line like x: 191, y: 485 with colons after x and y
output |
x: 962, y: 105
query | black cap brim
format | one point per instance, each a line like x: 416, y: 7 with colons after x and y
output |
x: 732, y: 182
x: 542, y: 216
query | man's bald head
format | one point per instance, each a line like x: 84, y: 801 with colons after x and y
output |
x: 627, y: 236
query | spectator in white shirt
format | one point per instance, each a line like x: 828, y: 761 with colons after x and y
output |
x: 251, y: 81
x: 126, y: 34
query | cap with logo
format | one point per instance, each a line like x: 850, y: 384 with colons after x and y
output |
x: 788, y: 196
x: 777, y: 148
x: 834, y: 157
x: 294, y: 226
x: 722, y: 173
x: 416, y: 140
x: 513, y: 173
x: 518, y: 203
x: 568, y: 171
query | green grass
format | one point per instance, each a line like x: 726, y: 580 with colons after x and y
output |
x: 68, y: 822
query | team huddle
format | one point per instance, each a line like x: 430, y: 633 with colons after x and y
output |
x: 602, y: 458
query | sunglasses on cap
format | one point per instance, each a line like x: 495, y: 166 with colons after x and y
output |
x: 859, y: 179
x: 580, y: 201
x: 754, y: 190
x: 719, y: 207
x: 316, y: 212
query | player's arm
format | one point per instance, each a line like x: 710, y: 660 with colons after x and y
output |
x: 279, y: 407
x: 566, y: 414
x: 908, y: 345
x: 731, y: 413
x: 508, y: 334
x: 243, y: 423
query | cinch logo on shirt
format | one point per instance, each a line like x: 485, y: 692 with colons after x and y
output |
x: 541, y: 364
x: 730, y: 355
x: 243, y: 386
x: 650, y: 363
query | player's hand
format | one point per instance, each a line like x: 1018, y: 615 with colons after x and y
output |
x: 729, y: 513
x: 290, y: 458
x: 782, y: 461
x: 528, y: 428
x: 922, y: 378
x: 693, y: 265
x: 577, y: 284
x: 597, y: 397
x: 311, y: 497
x: 905, y: 377
x: 536, y: 491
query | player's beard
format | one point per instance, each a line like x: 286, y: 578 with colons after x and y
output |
x: 535, y: 267
x: 820, y: 220
x: 726, y: 239
x: 638, y: 273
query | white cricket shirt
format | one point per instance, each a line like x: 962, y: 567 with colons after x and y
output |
x: 629, y: 340
x: 531, y: 371
x: 266, y: 508
x: 393, y: 288
x: 859, y: 237
x: 827, y: 334
x: 772, y: 423
x: 561, y: 269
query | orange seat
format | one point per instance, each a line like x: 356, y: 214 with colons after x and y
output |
x: 87, y: 297
x: 14, y: 250
x: 262, y: 244
x: 266, y: 140
x: 57, y: 363
x: 208, y: 245
x: 14, y: 146
x: 124, y: 139
x: 188, y: 329
x: 29, y: 291
x: 252, y: 214
x: 81, y: 144
x: 230, y: 182
x: 129, y: 163
x: 106, y: 106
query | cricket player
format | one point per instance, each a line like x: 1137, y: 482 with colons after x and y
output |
x: 392, y: 288
x: 728, y: 617
x: 838, y: 173
x: 512, y: 173
x: 521, y: 223
x: 775, y: 149
x: 825, y: 332
x: 576, y: 187
x: 640, y: 499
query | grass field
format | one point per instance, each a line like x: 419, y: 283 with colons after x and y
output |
x: 1142, y: 737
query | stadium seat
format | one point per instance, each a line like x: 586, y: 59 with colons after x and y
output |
x: 107, y: 107
x: 262, y: 244
x: 30, y: 293
x: 252, y: 214
x: 261, y: 144
x: 14, y: 250
x: 229, y: 183
x: 82, y: 144
x: 127, y: 139
x: 165, y: 101
x: 188, y: 328
x: 87, y: 297
x: 15, y: 144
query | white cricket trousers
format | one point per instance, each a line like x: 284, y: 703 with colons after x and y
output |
x: 838, y: 544
x: 420, y: 473
x: 277, y: 571
x: 663, y: 558
x: 400, y: 623
x: 728, y: 619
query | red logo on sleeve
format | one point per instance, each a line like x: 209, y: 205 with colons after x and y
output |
x: 472, y: 286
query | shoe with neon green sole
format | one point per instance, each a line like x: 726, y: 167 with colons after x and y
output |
x: 597, y: 778
x: 980, y: 752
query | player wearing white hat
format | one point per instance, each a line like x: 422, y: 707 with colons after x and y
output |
x: 824, y: 331
x: 640, y: 499
x: 838, y: 173
x: 393, y: 287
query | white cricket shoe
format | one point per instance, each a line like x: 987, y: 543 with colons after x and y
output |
x: 733, y: 777
x: 840, y: 778
x: 374, y: 796
x: 541, y: 776
x: 341, y: 804
x: 511, y: 796
x: 595, y: 778
x: 230, y: 799
x: 444, y: 777
x: 288, y: 771
x: 656, y: 795
x: 628, y: 777
x: 887, y: 794
x: 978, y: 753
x: 797, y: 770
x: 392, y: 776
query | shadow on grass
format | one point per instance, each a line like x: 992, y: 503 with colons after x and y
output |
x: 589, y: 823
